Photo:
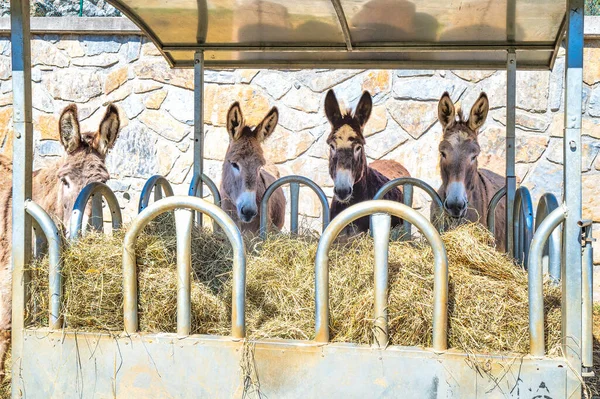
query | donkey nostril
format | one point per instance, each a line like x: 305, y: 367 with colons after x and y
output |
x: 342, y: 192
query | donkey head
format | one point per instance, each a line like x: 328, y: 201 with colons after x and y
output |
x: 347, y: 159
x: 458, y: 152
x: 85, y: 159
x: 244, y: 160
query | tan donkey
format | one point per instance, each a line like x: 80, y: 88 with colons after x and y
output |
x: 244, y: 179
x: 466, y: 190
x: 55, y: 189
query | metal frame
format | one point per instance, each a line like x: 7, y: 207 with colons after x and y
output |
x: 552, y: 249
x: 587, y: 304
x: 54, y: 240
x: 294, y: 182
x: 407, y: 184
x: 511, y: 179
x: 160, y: 185
x: 522, y: 226
x: 90, y: 191
x: 381, y: 236
x: 491, y: 210
x: 183, y: 220
x: 196, y: 187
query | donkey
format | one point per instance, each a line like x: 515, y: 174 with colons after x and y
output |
x: 467, y: 190
x: 354, y: 180
x: 244, y: 178
x: 55, y: 188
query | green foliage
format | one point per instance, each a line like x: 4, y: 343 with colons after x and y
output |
x: 592, y: 7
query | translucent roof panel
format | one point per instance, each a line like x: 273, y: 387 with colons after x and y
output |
x: 473, y: 34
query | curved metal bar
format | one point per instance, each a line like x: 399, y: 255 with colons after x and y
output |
x: 301, y: 180
x: 491, y: 210
x: 197, y: 180
x: 522, y: 225
x: 156, y: 183
x: 536, y: 278
x: 214, y: 190
x: 53, y: 237
x: 552, y: 256
x: 440, y: 285
x: 130, y: 289
x: 407, y: 182
x: 81, y: 202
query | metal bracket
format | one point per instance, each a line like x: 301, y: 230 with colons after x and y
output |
x: 586, y: 232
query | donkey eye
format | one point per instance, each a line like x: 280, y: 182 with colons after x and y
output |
x: 473, y: 158
x: 235, y: 166
x: 357, y: 149
x: 443, y: 154
x: 65, y: 182
x: 331, y: 147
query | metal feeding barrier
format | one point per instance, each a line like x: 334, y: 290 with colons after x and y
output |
x: 407, y: 184
x: 552, y: 254
x: 196, y: 188
x: 157, y: 184
x: 491, y: 210
x: 91, y: 191
x: 295, y: 182
x: 53, y: 237
x: 183, y: 207
x: 522, y: 225
x: 381, y: 211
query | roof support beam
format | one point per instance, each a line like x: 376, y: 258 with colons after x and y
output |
x: 339, y: 10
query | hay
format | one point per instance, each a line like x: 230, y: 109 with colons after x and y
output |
x: 488, y: 302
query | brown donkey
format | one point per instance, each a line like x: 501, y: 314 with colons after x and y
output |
x: 355, y: 181
x: 55, y: 189
x: 467, y: 190
x: 244, y: 179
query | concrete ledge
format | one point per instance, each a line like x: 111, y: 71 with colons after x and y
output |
x: 68, y: 25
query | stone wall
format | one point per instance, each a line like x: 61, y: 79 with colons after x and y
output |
x: 156, y: 107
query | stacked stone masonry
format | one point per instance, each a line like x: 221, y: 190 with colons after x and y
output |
x: 156, y: 105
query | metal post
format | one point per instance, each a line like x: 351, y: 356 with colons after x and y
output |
x: 183, y: 224
x: 381, y: 238
x: 587, y: 345
x: 22, y: 165
x: 511, y: 179
x: 572, y: 263
x: 294, y: 193
x: 407, y: 198
x: 199, y: 122
x: 491, y: 211
x: 97, y: 219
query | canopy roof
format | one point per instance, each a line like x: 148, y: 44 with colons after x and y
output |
x: 470, y: 34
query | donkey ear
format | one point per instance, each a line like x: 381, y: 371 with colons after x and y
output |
x: 108, y: 131
x: 268, y: 124
x: 68, y: 127
x: 446, y: 111
x: 332, y: 108
x: 363, y: 109
x: 479, y: 112
x: 235, y: 121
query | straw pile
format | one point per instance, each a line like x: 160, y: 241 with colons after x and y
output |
x: 488, y: 302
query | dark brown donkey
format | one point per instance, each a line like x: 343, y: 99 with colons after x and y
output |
x: 467, y: 190
x: 55, y: 189
x: 354, y: 180
x: 244, y: 178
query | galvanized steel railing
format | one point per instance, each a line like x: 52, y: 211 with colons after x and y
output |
x: 93, y: 190
x: 536, y: 278
x: 183, y: 206
x: 587, y: 304
x: 197, y: 180
x: 522, y: 225
x: 407, y: 184
x: 160, y: 185
x: 552, y: 256
x: 294, y: 182
x: 381, y: 211
x: 54, y: 240
x: 491, y: 211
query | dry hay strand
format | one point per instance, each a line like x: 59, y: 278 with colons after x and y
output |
x: 488, y: 300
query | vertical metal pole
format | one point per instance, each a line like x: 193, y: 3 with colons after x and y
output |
x: 407, y: 197
x: 157, y: 192
x: 587, y: 345
x: 183, y: 224
x: 572, y: 264
x: 381, y: 238
x: 511, y: 180
x: 199, y: 123
x: 22, y: 165
x: 97, y: 219
x: 294, y: 194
